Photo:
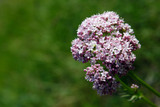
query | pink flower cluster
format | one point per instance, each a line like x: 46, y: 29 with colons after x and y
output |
x: 106, y: 39
x: 134, y: 86
x: 102, y: 81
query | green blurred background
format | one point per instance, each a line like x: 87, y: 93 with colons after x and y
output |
x: 36, y: 65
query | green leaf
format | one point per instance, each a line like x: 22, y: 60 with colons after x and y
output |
x: 133, y: 98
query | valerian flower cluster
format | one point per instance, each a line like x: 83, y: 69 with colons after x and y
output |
x: 134, y: 86
x: 102, y: 81
x: 105, y: 38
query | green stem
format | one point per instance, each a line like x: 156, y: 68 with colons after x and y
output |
x: 148, y: 101
x: 138, y: 92
x: 134, y: 76
x: 123, y: 84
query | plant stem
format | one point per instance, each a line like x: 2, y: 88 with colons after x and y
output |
x: 148, y: 101
x: 134, y: 76
x: 138, y: 92
x: 123, y: 84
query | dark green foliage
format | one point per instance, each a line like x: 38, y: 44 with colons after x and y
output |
x: 37, y: 68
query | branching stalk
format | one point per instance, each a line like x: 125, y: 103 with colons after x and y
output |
x: 130, y: 90
x: 134, y: 76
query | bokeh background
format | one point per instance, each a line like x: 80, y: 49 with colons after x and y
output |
x: 36, y: 65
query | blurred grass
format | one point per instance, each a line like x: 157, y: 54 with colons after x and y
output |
x: 37, y: 68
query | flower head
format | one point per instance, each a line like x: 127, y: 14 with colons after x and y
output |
x: 102, y: 81
x: 105, y: 38
x: 134, y: 86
